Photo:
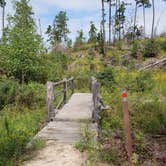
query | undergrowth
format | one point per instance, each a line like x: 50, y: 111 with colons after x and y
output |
x: 17, y: 128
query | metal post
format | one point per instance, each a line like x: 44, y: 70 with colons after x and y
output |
x: 127, y: 126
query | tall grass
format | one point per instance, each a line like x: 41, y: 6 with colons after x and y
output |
x: 17, y: 128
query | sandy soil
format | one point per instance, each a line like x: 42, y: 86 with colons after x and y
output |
x: 55, y: 154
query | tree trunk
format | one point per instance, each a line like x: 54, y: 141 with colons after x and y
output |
x: 152, y: 34
x: 110, y: 22
x: 103, y: 28
x: 135, y: 18
x: 119, y: 21
x: 144, y: 20
x: 103, y: 20
x: 116, y: 8
x: 3, y: 19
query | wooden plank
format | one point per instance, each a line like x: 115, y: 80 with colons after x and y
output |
x: 79, y: 108
x: 64, y: 132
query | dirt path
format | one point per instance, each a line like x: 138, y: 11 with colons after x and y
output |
x: 56, y: 154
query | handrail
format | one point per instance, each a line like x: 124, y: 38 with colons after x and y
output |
x: 98, y: 104
x: 51, y: 95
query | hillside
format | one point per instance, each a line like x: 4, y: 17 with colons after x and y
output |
x: 119, y: 51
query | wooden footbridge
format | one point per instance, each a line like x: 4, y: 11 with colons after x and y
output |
x: 74, y: 111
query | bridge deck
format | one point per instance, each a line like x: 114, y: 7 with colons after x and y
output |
x: 76, y: 114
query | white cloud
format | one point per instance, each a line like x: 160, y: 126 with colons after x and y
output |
x: 46, y: 10
x: 72, y: 4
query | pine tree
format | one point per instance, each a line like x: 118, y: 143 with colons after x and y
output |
x: 80, y: 39
x: 23, y: 42
x: 92, y: 33
x: 120, y: 18
x: 58, y: 31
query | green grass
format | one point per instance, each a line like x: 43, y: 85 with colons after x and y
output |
x: 95, y: 150
x: 17, y: 128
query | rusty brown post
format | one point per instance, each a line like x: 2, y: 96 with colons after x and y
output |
x: 127, y: 126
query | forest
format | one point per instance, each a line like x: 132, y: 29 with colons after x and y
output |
x: 119, y: 52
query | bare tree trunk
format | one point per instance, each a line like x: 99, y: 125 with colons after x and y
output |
x: 135, y: 18
x: 110, y: 22
x: 116, y: 8
x: 103, y: 20
x: 144, y: 20
x: 152, y: 34
x: 119, y: 21
x: 103, y: 27
x: 3, y: 19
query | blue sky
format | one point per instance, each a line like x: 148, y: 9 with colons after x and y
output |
x: 81, y: 12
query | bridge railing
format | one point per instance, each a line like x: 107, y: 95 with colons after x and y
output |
x: 98, y: 104
x: 52, y: 95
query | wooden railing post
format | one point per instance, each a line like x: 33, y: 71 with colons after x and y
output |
x: 65, y: 91
x: 72, y: 86
x: 96, y: 115
x: 50, y: 101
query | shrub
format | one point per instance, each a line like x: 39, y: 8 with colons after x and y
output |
x: 148, y: 113
x: 136, y: 49
x: 106, y: 77
x: 151, y: 48
x: 86, y: 142
x: 162, y: 43
x: 31, y: 95
x: 119, y: 45
x: 8, y: 90
x: 144, y: 82
x: 17, y: 129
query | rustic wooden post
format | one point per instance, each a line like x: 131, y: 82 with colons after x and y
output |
x: 72, y: 86
x: 50, y: 101
x: 127, y: 126
x: 96, y: 115
x: 65, y: 91
x: 98, y: 108
x: 93, y: 97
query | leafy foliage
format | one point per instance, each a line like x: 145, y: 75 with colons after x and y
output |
x: 92, y: 33
x: 106, y: 77
x: 17, y: 129
x: 58, y: 31
x: 80, y: 39
x: 8, y: 91
x: 151, y: 48
x: 21, y: 43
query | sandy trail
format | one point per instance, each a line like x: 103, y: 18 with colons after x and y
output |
x: 56, y: 154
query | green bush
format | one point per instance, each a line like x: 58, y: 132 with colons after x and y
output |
x: 106, y: 77
x: 148, y: 113
x: 17, y: 129
x: 136, y: 49
x: 119, y: 45
x: 151, y: 48
x: 30, y: 95
x: 8, y: 90
x: 144, y: 82
x: 82, y: 81
x: 162, y: 43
